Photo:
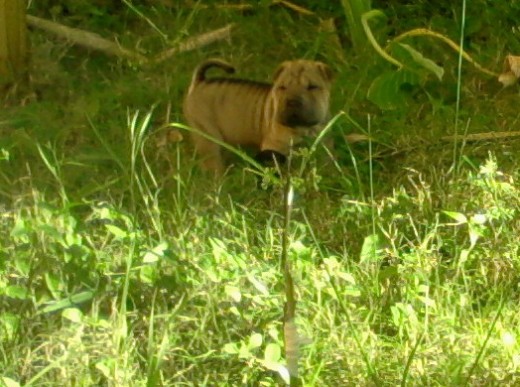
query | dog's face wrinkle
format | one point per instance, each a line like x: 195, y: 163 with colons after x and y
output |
x: 300, y: 80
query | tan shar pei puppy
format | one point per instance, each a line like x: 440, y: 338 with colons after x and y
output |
x: 268, y: 117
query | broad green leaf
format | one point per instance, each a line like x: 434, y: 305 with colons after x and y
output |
x: 272, y: 353
x: 457, y: 216
x: 51, y: 232
x: 104, y: 369
x: 22, y: 265
x: 298, y: 247
x: 474, y: 235
x: 231, y: 348
x: 219, y: 249
x: 347, y: 277
x: 284, y: 374
x: 244, y: 352
x: 69, y: 302
x: 148, y: 273
x: 234, y: 293
x: 116, y: 231
x: 464, y: 255
x: 72, y: 314
x: 396, y: 315
x: 427, y: 301
x: 300, y: 251
x: 255, y: 340
x: 387, y: 90
x: 370, y: 249
x: 272, y: 358
x: 479, y: 219
x: 19, y: 228
x: 9, y: 326
x: 156, y: 253
x: 258, y: 285
x: 54, y: 284
x: 15, y: 291
x: 352, y: 291
x: 4, y: 155
x: 8, y: 382
x: 425, y: 63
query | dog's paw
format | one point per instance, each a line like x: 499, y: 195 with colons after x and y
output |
x: 271, y: 158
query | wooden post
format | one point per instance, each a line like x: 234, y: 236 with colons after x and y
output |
x: 13, y: 42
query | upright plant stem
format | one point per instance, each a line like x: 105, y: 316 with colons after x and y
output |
x: 459, y: 82
x: 354, y: 9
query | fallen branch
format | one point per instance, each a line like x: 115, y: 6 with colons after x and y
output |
x: 359, y: 137
x: 248, y: 7
x: 392, y: 152
x: 94, y: 41
x: 294, y: 7
x: 228, y: 7
x: 481, y: 136
x: 196, y: 42
x: 84, y: 38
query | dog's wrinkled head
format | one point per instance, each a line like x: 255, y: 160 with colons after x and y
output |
x: 301, y: 91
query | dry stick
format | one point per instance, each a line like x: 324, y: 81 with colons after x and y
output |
x: 196, y: 42
x: 482, y: 136
x: 232, y: 7
x: 294, y: 7
x: 359, y: 137
x: 84, y: 38
x: 247, y: 7
x: 356, y: 138
x: 96, y: 42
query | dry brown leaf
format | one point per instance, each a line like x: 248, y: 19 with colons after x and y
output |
x: 511, y: 72
x: 196, y: 42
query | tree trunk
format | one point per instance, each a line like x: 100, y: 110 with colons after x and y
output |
x: 13, y: 42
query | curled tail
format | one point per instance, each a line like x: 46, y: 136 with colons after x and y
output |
x: 199, y: 74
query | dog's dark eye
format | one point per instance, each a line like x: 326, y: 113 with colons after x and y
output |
x: 312, y: 87
x: 282, y: 87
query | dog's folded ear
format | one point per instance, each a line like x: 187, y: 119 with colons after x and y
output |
x: 326, y: 71
x: 270, y: 158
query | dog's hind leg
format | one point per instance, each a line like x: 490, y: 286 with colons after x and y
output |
x: 209, y: 153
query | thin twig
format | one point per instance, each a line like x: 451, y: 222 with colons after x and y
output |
x: 294, y: 7
x: 84, y: 38
x: 195, y: 42
x: 482, y: 136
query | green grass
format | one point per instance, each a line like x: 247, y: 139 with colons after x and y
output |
x: 121, y: 265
